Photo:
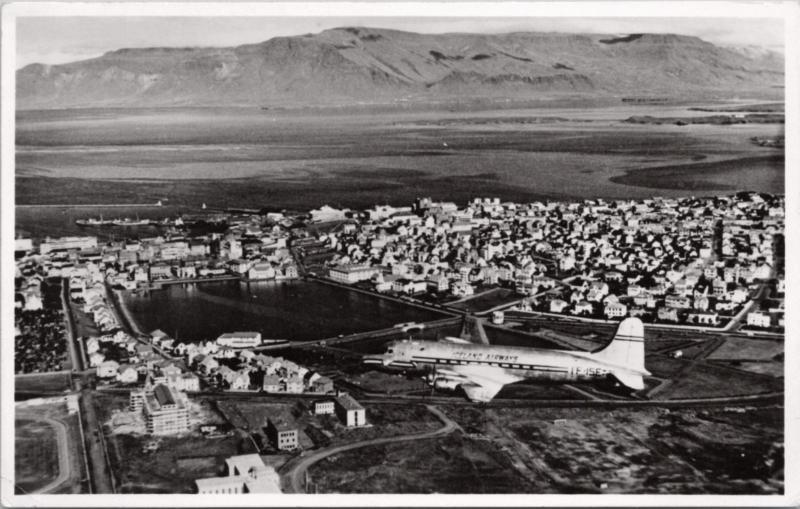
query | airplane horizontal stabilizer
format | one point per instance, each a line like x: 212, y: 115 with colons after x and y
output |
x: 631, y: 380
x: 481, y: 393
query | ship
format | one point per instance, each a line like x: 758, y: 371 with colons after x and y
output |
x: 131, y: 222
x: 93, y: 222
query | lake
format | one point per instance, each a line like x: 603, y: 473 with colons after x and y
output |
x: 294, y: 310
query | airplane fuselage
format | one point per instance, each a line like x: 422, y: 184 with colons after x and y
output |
x: 521, y: 363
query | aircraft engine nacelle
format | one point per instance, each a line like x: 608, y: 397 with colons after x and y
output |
x: 446, y: 383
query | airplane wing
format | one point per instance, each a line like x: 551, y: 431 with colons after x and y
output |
x: 452, y: 339
x: 480, y: 383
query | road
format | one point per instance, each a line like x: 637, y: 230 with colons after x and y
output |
x: 95, y: 446
x: 76, y: 353
x: 294, y: 477
x: 374, y: 334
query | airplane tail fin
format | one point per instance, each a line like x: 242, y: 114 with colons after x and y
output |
x: 626, y: 349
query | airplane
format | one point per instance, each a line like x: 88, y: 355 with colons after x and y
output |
x: 482, y: 370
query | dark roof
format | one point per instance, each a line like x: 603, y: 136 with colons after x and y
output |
x: 281, y: 424
x: 348, y: 402
x: 163, y: 395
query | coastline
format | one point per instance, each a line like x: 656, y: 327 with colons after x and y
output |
x: 127, y: 319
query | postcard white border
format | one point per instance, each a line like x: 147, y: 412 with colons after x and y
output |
x: 789, y: 11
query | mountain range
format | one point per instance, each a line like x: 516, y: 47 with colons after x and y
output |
x: 356, y: 65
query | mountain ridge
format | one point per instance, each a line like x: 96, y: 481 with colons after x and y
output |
x: 357, y: 65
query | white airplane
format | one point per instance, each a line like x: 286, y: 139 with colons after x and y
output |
x: 482, y: 370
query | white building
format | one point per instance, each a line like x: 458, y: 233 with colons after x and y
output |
x: 323, y: 407
x: 616, y: 310
x: 240, y: 339
x: 165, y: 411
x: 327, y: 213
x: 246, y: 474
x: 108, y: 369
x: 67, y: 243
x: 759, y: 319
x: 350, y: 274
x: 557, y: 306
x: 350, y: 411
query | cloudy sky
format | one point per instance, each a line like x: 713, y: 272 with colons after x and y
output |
x: 54, y: 40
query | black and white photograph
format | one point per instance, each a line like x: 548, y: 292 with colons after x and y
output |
x: 387, y: 253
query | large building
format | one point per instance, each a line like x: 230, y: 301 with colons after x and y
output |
x: 240, y: 339
x: 246, y: 474
x: 282, y: 435
x: 67, y: 243
x: 165, y: 411
x: 350, y: 411
x: 350, y: 274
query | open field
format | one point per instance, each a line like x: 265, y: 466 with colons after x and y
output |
x: 388, y: 383
x: 49, y: 449
x: 530, y: 450
x: 42, y: 383
x: 641, y: 451
x: 177, y: 463
x: 453, y: 464
x: 35, y: 455
x: 771, y: 368
x: 710, y: 380
x: 747, y: 349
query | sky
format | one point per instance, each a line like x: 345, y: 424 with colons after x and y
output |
x: 55, y: 40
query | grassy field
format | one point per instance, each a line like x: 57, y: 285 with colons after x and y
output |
x: 174, y: 467
x: 35, y: 455
x: 76, y: 481
x: 747, y: 349
x: 388, y: 383
x: 662, y: 366
x: 453, y: 464
x: 582, y: 450
x: 53, y: 382
x: 709, y: 380
x: 536, y: 390
x: 770, y: 368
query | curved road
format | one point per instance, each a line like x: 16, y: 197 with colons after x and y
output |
x: 64, y: 470
x: 295, y: 474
